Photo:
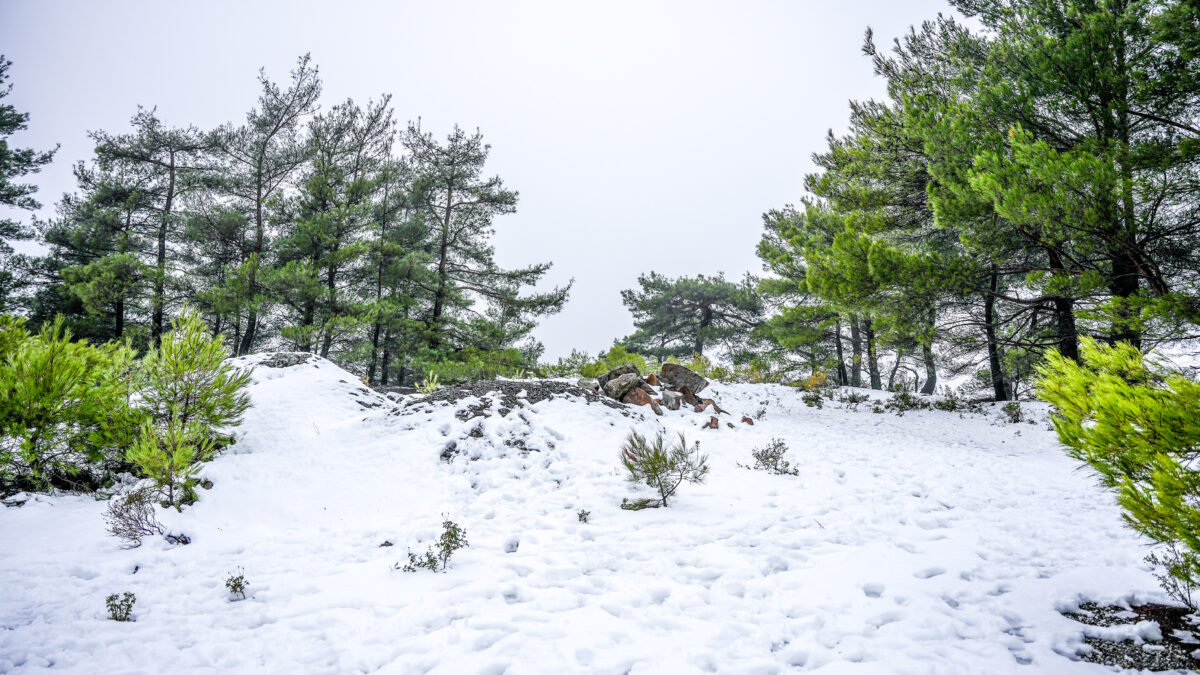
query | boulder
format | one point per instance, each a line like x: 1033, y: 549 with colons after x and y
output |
x: 713, y: 423
x: 615, y: 373
x: 670, y: 399
x: 705, y: 403
x: 636, y: 396
x: 747, y: 420
x: 688, y: 397
x: 589, y: 383
x: 647, y: 388
x: 652, y: 380
x: 676, y: 376
x: 620, y: 385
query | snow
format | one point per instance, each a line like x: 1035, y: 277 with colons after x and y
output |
x: 924, y: 543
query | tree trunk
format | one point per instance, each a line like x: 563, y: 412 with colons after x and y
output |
x: 872, y: 356
x: 930, y: 370
x: 160, y: 301
x: 439, y: 298
x: 995, y: 368
x: 841, y: 357
x: 119, y: 312
x: 256, y: 258
x: 856, y: 352
x: 705, y: 322
x: 892, y: 376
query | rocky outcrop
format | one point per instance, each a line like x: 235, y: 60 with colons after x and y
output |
x: 615, y: 373
x: 620, y: 385
x: 675, y: 376
x: 639, y: 397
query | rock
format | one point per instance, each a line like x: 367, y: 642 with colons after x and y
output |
x: 688, y: 397
x: 638, y: 397
x: 647, y: 388
x: 747, y: 420
x: 713, y: 423
x: 671, y: 399
x: 615, y: 373
x: 620, y: 385
x: 702, y: 405
x: 589, y: 383
x: 652, y: 380
x: 286, y: 359
x: 676, y: 376
x: 729, y: 424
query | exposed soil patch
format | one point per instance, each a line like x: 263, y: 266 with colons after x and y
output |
x: 1173, y: 652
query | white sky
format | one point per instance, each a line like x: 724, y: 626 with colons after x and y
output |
x: 640, y: 135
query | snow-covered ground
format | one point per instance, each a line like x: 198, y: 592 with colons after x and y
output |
x: 922, y: 543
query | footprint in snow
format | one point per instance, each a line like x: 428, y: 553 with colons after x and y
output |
x: 873, y: 590
x: 930, y: 572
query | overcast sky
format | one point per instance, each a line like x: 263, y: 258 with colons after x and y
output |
x: 640, y: 135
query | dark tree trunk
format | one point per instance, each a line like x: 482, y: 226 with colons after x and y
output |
x: 872, y: 356
x: 841, y: 357
x: 1000, y: 388
x: 856, y: 350
x: 706, y: 318
x: 930, y: 370
x: 160, y: 301
x: 892, y: 376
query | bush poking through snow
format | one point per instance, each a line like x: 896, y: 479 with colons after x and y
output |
x: 661, y: 466
x: 170, y: 456
x: 770, y: 458
x: 813, y: 399
x: 904, y: 401
x: 236, y: 584
x: 583, y: 515
x: 1134, y: 422
x: 1174, y: 573
x: 120, y: 609
x: 131, y: 517
x: 438, y: 556
x: 850, y: 400
x: 1012, y: 412
x: 639, y: 504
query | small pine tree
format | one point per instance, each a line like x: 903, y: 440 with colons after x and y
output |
x: 187, y: 379
x: 63, y: 407
x: 1135, y: 423
x: 170, y: 456
x: 661, y: 466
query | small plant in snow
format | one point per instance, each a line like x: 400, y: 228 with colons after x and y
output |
x: 1175, y: 573
x: 661, y: 466
x: 1012, y: 412
x: 236, y: 584
x: 131, y: 517
x: 770, y: 458
x: 583, y: 515
x: 429, y: 384
x: 850, y: 400
x: 904, y: 401
x: 813, y: 399
x: 438, y: 556
x: 762, y: 411
x: 120, y: 609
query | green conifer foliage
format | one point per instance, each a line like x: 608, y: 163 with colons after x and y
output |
x: 64, y: 411
x: 1138, y: 426
x: 187, y: 380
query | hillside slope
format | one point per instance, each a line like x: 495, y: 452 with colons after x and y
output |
x: 927, y: 542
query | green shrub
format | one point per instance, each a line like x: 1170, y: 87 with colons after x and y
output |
x: 120, y: 609
x: 1012, y: 412
x: 453, y: 538
x: 661, y: 466
x: 904, y: 401
x: 851, y: 400
x: 188, y: 379
x: 171, y: 456
x: 1138, y: 426
x: 583, y: 515
x: 770, y: 458
x: 236, y: 584
x: 64, y: 409
x: 813, y: 399
x: 615, y: 358
x: 476, y: 364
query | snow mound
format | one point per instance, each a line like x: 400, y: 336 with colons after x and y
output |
x: 928, y: 543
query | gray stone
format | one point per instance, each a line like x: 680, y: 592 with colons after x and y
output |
x: 589, y: 383
x: 670, y: 399
x: 676, y: 376
x: 615, y: 373
x: 619, y: 386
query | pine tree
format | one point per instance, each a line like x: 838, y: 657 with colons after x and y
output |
x: 458, y: 206
x: 678, y: 317
x: 15, y: 163
x: 258, y: 159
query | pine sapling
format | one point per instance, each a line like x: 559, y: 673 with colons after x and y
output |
x: 662, y: 466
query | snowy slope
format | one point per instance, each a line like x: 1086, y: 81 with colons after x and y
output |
x: 926, y: 543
